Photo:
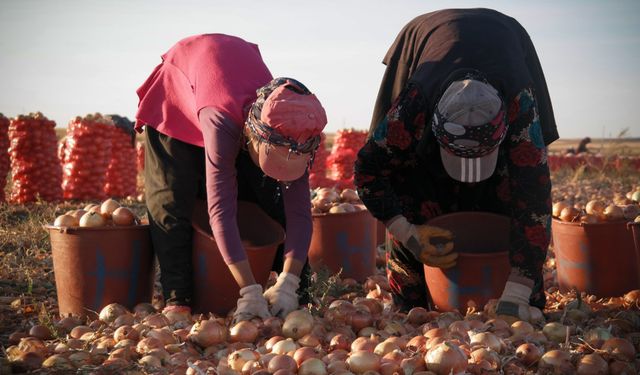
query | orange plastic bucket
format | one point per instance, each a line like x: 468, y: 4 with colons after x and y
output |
x: 215, y: 289
x: 482, y: 242
x: 344, y: 241
x: 598, y: 259
x: 94, y: 267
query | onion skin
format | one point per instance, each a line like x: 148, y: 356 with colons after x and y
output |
x: 528, y: 353
x: 446, y: 358
x: 207, y: 332
x: 244, y: 331
x: 297, y: 324
x: 592, y: 364
x: 619, y: 348
x: 557, y: 361
x: 632, y: 298
x: 282, y: 362
x: 122, y: 216
x: 312, y: 366
x: 362, y: 361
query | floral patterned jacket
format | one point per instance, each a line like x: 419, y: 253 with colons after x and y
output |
x: 399, y: 171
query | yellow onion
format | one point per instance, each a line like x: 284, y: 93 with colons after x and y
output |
x: 58, y: 362
x: 339, y: 341
x: 385, y: 347
x: 418, y: 315
x: 207, y: 332
x: 446, y: 358
x: 488, y: 355
x: 150, y: 361
x: 157, y: 320
x: 305, y: 352
x: 487, y: 340
x: 284, y: 346
x: 364, y: 344
x: 238, y: 358
x: 592, y: 364
x: 41, y: 332
x: 297, y: 324
x: 164, y: 335
x: 613, y: 212
x: 619, y: 348
x: 557, y: 361
x: 147, y: 344
x: 528, y: 353
x: 244, y: 331
x: 282, y: 362
x: 558, y: 207
x: 569, y: 214
x: 111, y: 312
x: 312, y: 366
x: 555, y: 331
x: 595, y: 207
x: 362, y: 361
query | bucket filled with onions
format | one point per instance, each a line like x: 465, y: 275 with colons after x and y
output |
x: 481, y: 240
x: 344, y: 234
x: 595, y: 248
x: 101, y: 254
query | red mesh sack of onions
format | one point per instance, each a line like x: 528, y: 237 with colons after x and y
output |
x: 318, y: 173
x: 4, y: 154
x: 87, y: 154
x: 122, y: 170
x: 341, y: 164
x: 35, y: 167
x: 343, y: 156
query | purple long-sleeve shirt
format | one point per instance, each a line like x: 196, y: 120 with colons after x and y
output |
x: 222, y: 143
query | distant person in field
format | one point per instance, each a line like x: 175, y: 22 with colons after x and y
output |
x: 582, y: 146
x: 461, y: 123
x: 219, y: 126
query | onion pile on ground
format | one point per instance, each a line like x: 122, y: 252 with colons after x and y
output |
x: 355, y: 331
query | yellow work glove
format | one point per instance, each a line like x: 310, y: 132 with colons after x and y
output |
x: 430, y: 245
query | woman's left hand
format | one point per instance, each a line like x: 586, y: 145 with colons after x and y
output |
x: 283, y: 296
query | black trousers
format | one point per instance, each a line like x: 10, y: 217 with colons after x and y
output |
x: 174, y: 175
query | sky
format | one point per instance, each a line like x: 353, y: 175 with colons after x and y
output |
x: 67, y: 58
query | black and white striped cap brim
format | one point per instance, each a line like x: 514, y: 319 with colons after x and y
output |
x: 469, y: 169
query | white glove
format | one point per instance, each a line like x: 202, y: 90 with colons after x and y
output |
x: 283, y: 296
x: 513, y: 305
x: 251, y: 304
x: 430, y: 245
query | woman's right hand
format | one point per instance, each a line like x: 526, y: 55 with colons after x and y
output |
x: 430, y: 245
x: 251, y: 304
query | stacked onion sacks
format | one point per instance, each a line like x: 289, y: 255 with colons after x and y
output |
x: 344, y: 153
x: 86, y: 155
x: 35, y: 167
x: 5, y: 164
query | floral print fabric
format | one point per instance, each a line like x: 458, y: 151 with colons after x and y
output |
x: 399, y: 171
